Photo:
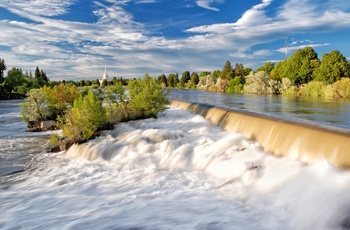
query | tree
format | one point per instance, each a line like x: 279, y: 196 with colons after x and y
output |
x: 16, y: 82
x: 299, y: 68
x: 163, y: 80
x: 185, y: 78
x: 227, y: 71
x: 147, y: 97
x: 85, y: 119
x: 37, y: 73
x: 194, y: 78
x: 35, y: 107
x: 2, y: 69
x: 267, y: 67
x: 239, y: 70
x: 204, y: 74
x: 60, y: 98
x: 173, y: 80
x: 332, y: 68
x: 216, y: 74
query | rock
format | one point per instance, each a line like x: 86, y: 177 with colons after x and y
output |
x: 47, y: 125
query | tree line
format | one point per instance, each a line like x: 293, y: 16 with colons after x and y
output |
x: 291, y: 76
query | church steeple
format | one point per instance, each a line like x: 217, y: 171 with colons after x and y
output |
x: 105, y: 76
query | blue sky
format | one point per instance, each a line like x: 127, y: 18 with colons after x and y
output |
x: 77, y: 39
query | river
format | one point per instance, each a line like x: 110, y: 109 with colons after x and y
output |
x: 174, y: 172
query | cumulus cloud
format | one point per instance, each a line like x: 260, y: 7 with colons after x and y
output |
x: 118, y: 41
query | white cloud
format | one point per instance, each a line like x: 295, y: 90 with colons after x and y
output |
x: 206, y: 4
x: 117, y: 41
x: 38, y: 7
x: 293, y: 48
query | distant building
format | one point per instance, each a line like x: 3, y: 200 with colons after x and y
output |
x: 104, y: 77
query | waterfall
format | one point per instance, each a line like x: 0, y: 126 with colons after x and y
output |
x: 296, y: 139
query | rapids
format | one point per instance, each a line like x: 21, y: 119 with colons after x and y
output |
x: 174, y: 172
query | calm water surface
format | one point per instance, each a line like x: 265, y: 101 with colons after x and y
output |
x: 335, y: 112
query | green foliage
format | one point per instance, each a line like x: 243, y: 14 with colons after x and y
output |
x: 341, y: 88
x: 236, y: 85
x: 85, y: 119
x: 147, y: 97
x: 190, y: 85
x: 173, y: 80
x: 267, y: 67
x: 194, y: 78
x: 227, y: 71
x: 239, y: 70
x: 313, y: 88
x: 292, y: 91
x: 215, y: 75
x: 54, y: 140
x: 35, y: 107
x: 2, y: 69
x: 185, y: 78
x: 163, y: 80
x: 333, y: 67
x: 298, y: 68
x: 60, y: 98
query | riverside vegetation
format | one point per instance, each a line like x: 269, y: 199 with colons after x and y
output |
x: 302, y: 74
x: 82, y: 109
x: 83, y: 114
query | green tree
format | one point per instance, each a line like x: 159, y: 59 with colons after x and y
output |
x: 35, y: 107
x: 163, y: 80
x: 227, y: 71
x: 267, y: 67
x: 333, y: 67
x: 239, y: 70
x: 299, y: 68
x: 16, y: 82
x: 216, y: 74
x: 194, y: 78
x: 85, y: 119
x: 204, y: 74
x: 185, y: 78
x: 147, y: 97
x: 2, y: 69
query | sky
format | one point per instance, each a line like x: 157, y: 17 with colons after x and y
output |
x: 78, y: 39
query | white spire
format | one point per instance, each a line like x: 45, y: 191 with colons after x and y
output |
x: 105, y: 76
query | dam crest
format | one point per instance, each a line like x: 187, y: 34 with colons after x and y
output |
x: 296, y: 139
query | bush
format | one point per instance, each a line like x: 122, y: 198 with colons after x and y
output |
x: 342, y: 88
x: 85, y: 119
x: 236, y: 85
x: 313, y: 88
x: 35, y: 107
x: 147, y: 98
x: 257, y: 83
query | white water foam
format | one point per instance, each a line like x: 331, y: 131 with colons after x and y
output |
x: 176, y: 172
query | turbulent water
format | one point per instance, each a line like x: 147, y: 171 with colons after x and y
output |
x: 176, y: 172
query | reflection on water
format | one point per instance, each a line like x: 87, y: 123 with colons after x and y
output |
x: 330, y: 111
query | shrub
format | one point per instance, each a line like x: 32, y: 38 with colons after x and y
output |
x: 85, y: 119
x: 257, y: 83
x: 313, y: 88
x: 291, y: 91
x: 147, y: 98
x: 342, y: 88
x: 236, y: 85
x: 35, y: 107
